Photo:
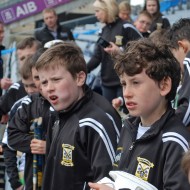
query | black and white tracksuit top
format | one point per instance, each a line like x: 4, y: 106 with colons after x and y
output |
x: 156, y: 156
x: 80, y: 146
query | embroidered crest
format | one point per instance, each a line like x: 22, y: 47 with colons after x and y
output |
x: 67, y: 159
x: 143, y: 168
x: 158, y: 26
x: 118, y: 40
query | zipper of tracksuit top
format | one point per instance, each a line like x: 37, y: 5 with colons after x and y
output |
x: 133, y: 140
x: 131, y: 148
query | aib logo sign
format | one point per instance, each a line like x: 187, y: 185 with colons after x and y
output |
x: 19, y: 11
x: 27, y: 8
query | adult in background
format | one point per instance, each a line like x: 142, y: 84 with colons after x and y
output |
x: 116, y: 32
x: 52, y: 29
x: 159, y: 20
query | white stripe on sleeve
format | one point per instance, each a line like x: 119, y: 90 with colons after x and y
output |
x: 99, y: 128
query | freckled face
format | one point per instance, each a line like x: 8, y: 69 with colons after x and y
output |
x: 60, y: 88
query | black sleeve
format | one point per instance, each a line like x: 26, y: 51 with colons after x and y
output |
x: 95, y: 59
x: 173, y: 177
x: 10, y: 156
x: 99, y: 145
x: 10, y: 159
x: 183, y: 102
x: 14, y: 93
x: 166, y: 23
x: 131, y: 33
x: 19, y: 134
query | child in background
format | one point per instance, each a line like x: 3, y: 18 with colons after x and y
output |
x: 159, y: 20
x: 10, y: 154
x: 125, y: 11
x: 143, y: 23
x: 153, y: 139
x: 178, y: 40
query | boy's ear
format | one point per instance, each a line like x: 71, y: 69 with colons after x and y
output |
x: 81, y: 78
x: 185, y: 44
x: 165, y: 86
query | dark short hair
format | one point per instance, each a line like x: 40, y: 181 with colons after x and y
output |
x: 29, y: 63
x: 66, y: 54
x: 29, y: 42
x: 158, y: 62
x: 180, y: 30
x: 26, y: 69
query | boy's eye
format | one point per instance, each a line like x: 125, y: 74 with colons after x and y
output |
x: 44, y: 82
x: 56, y: 79
x: 123, y: 84
x: 135, y: 82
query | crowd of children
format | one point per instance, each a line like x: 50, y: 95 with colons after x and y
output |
x: 71, y: 137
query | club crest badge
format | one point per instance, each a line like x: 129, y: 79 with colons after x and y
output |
x: 143, y: 168
x: 67, y: 159
x: 118, y: 40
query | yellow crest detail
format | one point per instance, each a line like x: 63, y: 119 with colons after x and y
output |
x: 67, y: 159
x: 118, y: 40
x: 143, y: 168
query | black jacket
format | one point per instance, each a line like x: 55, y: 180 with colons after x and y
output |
x: 120, y: 33
x: 10, y: 155
x: 159, y: 21
x: 21, y: 132
x: 183, y: 96
x: 80, y: 147
x: 44, y: 35
x: 15, y: 92
x: 156, y: 156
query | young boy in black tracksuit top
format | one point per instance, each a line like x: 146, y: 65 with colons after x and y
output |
x: 16, y: 91
x: 178, y: 39
x: 81, y: 144
x: 153, y: 139
x: 10, y: 154
x: 26, y: 47
x: 29, y: 109
x: 30, y: 88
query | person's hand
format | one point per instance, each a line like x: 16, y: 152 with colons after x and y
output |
x: 1, y: 149
x: 38, y: 146
x: 5, y: 83
x: 117, y: 103
x: 4, y: 119
x: 112, y: 49
x: 20, y: 188
x: 97, y: 186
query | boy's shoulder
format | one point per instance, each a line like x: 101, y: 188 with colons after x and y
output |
x: 92, y: 113
x: 92, y: 109
x: 174, y: 131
